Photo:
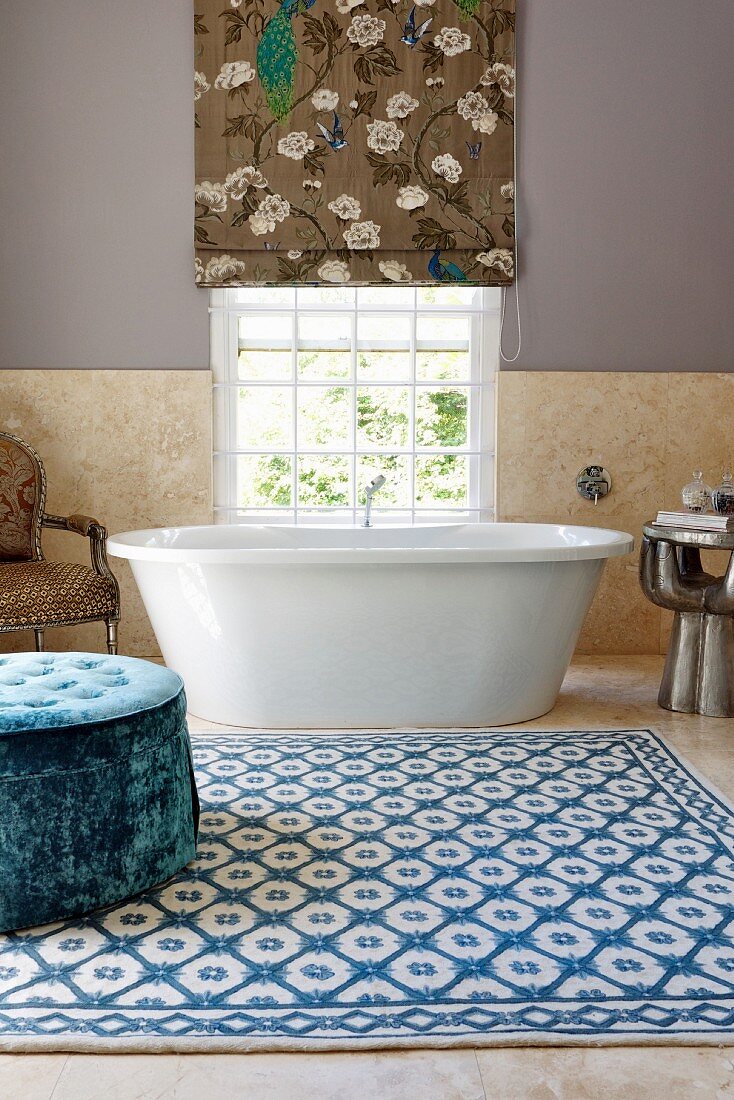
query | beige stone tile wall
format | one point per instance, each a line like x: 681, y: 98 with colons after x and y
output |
x: 650, y: 431
x: 131, y: 448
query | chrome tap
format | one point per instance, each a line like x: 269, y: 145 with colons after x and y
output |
x: 374, y: 485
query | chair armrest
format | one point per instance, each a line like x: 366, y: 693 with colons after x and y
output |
x: 97, y: 535
x: 80, y: 525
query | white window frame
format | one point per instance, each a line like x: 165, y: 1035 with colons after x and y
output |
x: 484, y: 314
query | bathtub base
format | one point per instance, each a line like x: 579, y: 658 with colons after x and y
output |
x: 362, y: 646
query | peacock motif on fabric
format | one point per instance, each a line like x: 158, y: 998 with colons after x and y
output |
x: 355, y: 141
x: 277, y: 57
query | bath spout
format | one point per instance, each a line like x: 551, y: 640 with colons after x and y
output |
x: 374, y: 485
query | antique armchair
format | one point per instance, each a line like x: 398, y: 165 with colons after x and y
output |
x: 34, y: 593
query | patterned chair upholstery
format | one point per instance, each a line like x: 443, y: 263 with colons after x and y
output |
x: 34, y: 593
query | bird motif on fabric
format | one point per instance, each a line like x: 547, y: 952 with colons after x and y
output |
x: 335, y: 136
x: 277, y: 55
x: 412, y: 34
x: 444, y: 272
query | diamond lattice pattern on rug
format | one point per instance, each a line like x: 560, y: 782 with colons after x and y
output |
x: 355, y: 888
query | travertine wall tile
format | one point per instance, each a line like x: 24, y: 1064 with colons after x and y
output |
x: 700, y: 430
x: 650, y: 431
x: 133, y: 449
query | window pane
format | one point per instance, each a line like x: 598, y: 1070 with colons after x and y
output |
x: 326, y: 296
x: 441, y: 417
x: 449, y: 295
x: 264, y: 417
x: 263, y: 296
x: 267, y: 365
x: 264, y: 480
x: 267, y: 331
x: 324, y: 480
x: 325, y: 331
x: 384, y: 366
x: 442, y: 480
x: 439, y: 366
x: 383, y: 416
x: 437, y: 330
x: 385, y: 296
x: 380, y: 330
x: 315, y: 365
x: 396, y: 490
x: 324, y: 417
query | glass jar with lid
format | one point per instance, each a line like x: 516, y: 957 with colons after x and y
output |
x: 722, y: 497
x: 697, y: 494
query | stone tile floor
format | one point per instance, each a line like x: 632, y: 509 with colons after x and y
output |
x: 599, y: 693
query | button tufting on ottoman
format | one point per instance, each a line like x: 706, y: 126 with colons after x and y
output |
x: 97, y: 793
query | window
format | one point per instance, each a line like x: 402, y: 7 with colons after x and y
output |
x: 317, y: 390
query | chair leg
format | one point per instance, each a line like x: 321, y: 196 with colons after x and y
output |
x: 40, y: 644
x: 111, y: 636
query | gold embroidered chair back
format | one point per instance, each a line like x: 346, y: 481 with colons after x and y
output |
x: 22, y: 497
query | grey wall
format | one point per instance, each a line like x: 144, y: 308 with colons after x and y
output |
x: 626, y: 161
x: 96, y: 176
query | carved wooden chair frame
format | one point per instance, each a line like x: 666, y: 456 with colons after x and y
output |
x: 80, y: 525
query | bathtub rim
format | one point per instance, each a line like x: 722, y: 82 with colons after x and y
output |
x: 605, y: 543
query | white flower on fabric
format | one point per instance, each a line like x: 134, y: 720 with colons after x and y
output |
x: 411, y: 198
x: 345, y: 6
x: 235, y: 3
x: 242, y: 179
x: 296, y: 144
x: 424, y: 3
x: 346, y: 207
x: 507, y: 190
x: 500, y: 259
x: 502, y: 75
x: 366, y: 30
x: 223, y: 269
x: 447, y: 167
x: 233, y: 74
x: 261, y: 225
x: 294, y: 254
x: 198, y: 269
x: 383, y: 137
x: 472, y: 105
x: 353, y: 104
x: 452, y: 41
x: 311, y: 185
x: 201, y: 85
x: 435, y: 82
x: 212, y: 195
x: 362, y: 235
x: 487, y: 124
x: 400, y: 105
x: 325, y: 100
x: 274, y: 208
x: 334, y: 271
x: 394, y: 271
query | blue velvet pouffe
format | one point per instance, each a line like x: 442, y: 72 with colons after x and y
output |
x: 97, y: 794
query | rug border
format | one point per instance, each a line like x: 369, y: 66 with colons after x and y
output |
x: 80, y: 1043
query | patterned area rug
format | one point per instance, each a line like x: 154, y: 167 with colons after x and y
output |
x: 366, y: 890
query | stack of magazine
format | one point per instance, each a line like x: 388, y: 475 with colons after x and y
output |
x: 696, y: 521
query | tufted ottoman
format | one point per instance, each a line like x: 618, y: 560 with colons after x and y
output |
x: 97, y: 795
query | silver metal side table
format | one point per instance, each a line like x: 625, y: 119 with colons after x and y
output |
x: 699, y: 670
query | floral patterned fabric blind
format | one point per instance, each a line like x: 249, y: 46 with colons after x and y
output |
x: 340, y: 141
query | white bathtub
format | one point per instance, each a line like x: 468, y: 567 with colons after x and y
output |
x: 319, y: 627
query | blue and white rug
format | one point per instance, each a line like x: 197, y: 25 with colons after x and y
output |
x: 366, y: 890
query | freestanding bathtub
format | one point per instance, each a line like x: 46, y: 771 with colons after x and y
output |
x: 347, y: 627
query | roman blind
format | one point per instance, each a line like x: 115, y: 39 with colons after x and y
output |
x: 340, y: 141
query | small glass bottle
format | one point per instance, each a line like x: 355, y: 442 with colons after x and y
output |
x: 722, y: 497
x: 697, y: 494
